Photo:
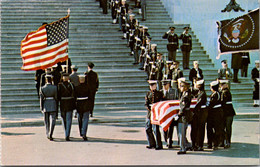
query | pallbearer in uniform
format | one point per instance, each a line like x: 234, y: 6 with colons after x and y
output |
x: 199, y: 118
x: 176, y: 74
x: 48, y: 102
x: 168, y: 70
x: 186, y: 47
x: 66, y: 96
x: 255, y: 78
x: 195, y: 73
x: 169, y: 94
x: 228, y: 112
x: 83, y: 107
x: 215, y: 116
x: 151, y: 97
x: 185, y: 115
x: 225, y: 72
x: 173, y: 43
x: 93, y: 84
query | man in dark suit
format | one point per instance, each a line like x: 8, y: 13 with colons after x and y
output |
x: 195, y: 73
x: 82, y: 94
x: 48, y: 103
x: 255, y: 78
x: 66, y: 96
x: 186, y: 47
x: 173, y: 43
x: 93, y: 84
x: 236, y: 64
x: 245, y: 62
x: 169, y: 94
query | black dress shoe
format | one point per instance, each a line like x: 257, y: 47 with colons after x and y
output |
x: 67, y: 139
x: 170, y: 146
x: 210, y: 146
x: 227, y: 146
x: 200, y: 149
x: 158, y: 148
x: 189, y: 149
x: 91, y: 115
x: 85, y: 138
x: 150, y: 147
x: 51, y: 139
x: 181, y: 152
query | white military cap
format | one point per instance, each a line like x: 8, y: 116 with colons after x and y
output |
x: 181, y: 79
x: 55, y: 66
x: 257, y: 61
x: 142, y: 47
x: 82, y: 76
x: 154, y: 44
x: 144, y: 27
x: 133, y: 15
x: 222, y: 81
x: 151, y: 82
x: 196, y: 62
x: 200, y: 82
x: 169, y: 62
x: 74, y: 67
x: 213, y: 83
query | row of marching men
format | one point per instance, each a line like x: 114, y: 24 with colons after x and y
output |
x: 216, y: 112
x: 73, y: 92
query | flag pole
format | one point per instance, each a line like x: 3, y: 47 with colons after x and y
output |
x: 67, y: 61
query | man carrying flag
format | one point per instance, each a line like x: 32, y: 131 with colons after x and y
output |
x: 47, y: 46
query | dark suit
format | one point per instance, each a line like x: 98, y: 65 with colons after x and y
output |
x: 186, y: 47
x: 66, y: 96
x: 150, y: 98
x: 82, y: 93
x: 199, y: 119
x: 236, y: 64
x: 172, y: 46
x: 245, y: 62
x: 195, y: 74
x: 93, y: 84
x: 48, y: 102
x: 172, y: 94
x: 255, y: 76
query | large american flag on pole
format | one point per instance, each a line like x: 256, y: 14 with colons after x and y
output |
x: 163, y: 112
x: 47, y: 46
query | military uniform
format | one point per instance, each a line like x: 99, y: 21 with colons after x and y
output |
x: 48, y: 103
x: 150, y: 98
x: 173, y: 44
x: 83, y: 108
x: 159, y: 71
x: 255, y: 78
x: 66, y: 96
x: 37, y: 79
x: 245, y: 62
x: 225, y: 73
x: 74, y: 78
x: 195, y: 75
x: 176, y: 74
x: 143, y: 7
x: 186, y: 47
x: 123, y: 12
x: 236, y: 64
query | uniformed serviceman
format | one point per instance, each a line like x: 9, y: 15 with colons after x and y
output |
x: 195, y: 73
x: 159, y: 69
x: 151, y: 97
x: 130, y: 30
x: 186, y: 47
x: 123, y: 12
x: 255, y: 78
x: 43, y: 79
x: 114, y: 8
x: 74, y: 78
x: 168, y: 70
x: 66, y: 96
x: 83, y: 107
x: 185, y: 116
x: 48, y: 102
x: 173, y: 43
x: 228, y: 112
x: 225, y: 72
x: 199, y: 118
x: 245, y: 62
x: 169, y: 94
x: 93, y: 84
x: 56, y: 75
x: 215, y: 116
x: 176, y: 74
x: 143, y: 8
x: 37, y: 79
x: 236, y: 64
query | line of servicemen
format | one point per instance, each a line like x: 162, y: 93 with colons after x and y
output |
x: 60, y: 87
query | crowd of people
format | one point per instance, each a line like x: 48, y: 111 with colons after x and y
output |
x: 61, y: 88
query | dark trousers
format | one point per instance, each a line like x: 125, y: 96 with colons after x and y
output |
x: 149, y: 133
x: 83, y: 119
x: 49, y: 121
x: 143, y: 7
x: 171, y: 55
x: 235, y: 78
x: 157, y: 133
x: 185, y: 59
x: 228, y: 128
x: 214, y: 124
x: 66, y: 121
x: 104, y: 6
x: 92, y: 101
x: 198, y: 128
x: 244, y: 71
x: 169, y: 133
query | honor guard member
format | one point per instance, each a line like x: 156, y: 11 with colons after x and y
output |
x: 228, y: 112
x: 195, y: 73
x: 173, y: 43
x: 168, y: 71
x: 48, y: 102
x: 215, y: 116
x: 145, y: 37
x: 186, y: 47
x: 83, y: 108
x: 159, y: 69
x: 74, y: 76
x: 152, y: 97
x: 37, y: 79
x: 199, y: 118
x: 176, y: 74
x: 185, y: 116
x: 93, y: 84
x: 123, y: 12
x: 56, y: 75
x: 169, y: 94
x: 66, y: 96
x: 137, y: 49
x: 138, y: 5
x: 225, y: 72
x: 245, y: 62
x: 104, y: 6
x: 142, y: 58
x: 114, y: 8
x: 64, y: 63
x: 255, y: 78
x: 143, y: 8
x: 43, y: 79
x: 131, y: 24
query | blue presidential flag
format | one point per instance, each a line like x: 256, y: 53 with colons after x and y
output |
x: 239, y: 34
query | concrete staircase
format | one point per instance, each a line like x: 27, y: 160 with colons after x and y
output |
x: 92, y: 38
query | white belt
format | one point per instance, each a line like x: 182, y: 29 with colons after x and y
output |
x: 49, y: 98
x: 217, y: 106
x: 82, y: 98
x: 244, y: 57
x: 66, y: 98
x: 204, y: 106
x: 229, y: 102
x: 172, y: 43
x: 186, y: 44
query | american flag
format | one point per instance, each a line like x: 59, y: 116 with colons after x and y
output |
x: 163, y: 113
x: 47, y: 46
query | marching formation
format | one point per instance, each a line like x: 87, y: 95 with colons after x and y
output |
x: 67, y: 91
